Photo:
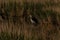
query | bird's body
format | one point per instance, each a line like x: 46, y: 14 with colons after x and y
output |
x: 33, y: 20
x: 2, y: 15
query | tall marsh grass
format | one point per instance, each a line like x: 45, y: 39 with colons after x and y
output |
x: 15, y: 26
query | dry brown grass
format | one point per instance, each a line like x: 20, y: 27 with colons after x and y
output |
x: 47, y: 29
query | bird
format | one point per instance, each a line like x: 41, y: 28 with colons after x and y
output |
x: 33, y: 20
x: 2, y: 15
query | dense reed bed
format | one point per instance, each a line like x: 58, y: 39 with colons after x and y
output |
x: 15, y: 23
